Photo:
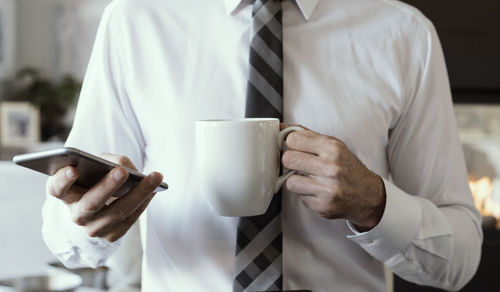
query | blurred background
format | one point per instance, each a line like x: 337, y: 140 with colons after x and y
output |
x: 44, y: 49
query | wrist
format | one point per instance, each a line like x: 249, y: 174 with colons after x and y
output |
x: 371, y: 215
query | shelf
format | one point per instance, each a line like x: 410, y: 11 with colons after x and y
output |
x: 7, y: 153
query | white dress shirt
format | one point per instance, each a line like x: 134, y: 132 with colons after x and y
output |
x: 369, y: 72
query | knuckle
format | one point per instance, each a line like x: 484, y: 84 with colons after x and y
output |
x: 331, y: 190
x: 292, y: 139
x: 333, y: 147
x: 89, y: 207
x: 92, y: 232
x: 54, y: 188
x: 291, y: 183
x: 49, y: 186
x: 330, y: 169
x: 286, y: 159
x: 78, y: 219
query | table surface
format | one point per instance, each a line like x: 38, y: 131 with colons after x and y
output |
x: 22, y: 193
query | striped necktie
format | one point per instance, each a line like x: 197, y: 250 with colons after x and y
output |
x: 258, y: 262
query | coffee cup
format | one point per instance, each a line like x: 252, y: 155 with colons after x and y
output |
x: 238, y: 163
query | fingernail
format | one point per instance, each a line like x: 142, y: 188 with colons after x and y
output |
x: 155, y: 179
x: 70, y: 174
x: 118, y: 175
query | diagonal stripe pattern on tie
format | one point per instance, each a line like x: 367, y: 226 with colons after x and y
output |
x: 265, y: 80
x: 258, y: 262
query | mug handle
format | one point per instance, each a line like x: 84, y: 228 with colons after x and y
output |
x: 281, y: 139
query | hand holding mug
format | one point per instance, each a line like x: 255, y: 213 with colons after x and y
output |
x: 331, y: 180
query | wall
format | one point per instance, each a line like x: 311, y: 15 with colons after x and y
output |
x: 56, y: 36
x: 35, y: 35
x: 470, y: 36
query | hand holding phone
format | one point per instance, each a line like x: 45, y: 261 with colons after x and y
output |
x: 88, y: 203
x: 91, y: 168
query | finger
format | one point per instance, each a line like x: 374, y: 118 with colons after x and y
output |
x: 123, y: 207
x: 311, y: 142
x: 119, y: 159
x: 309, y: 163
x: 97, y: 196
x: 74, y: 194
x: 284, y: 126
x: 113, y: 232
x: 121, y: 229
x: 303, y: 185
x: 59, y: 184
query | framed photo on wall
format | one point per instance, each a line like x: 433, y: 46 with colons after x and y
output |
x: 7, y: 39
x: 19, y: 124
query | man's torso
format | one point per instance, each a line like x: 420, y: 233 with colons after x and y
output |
x: 345, y: 75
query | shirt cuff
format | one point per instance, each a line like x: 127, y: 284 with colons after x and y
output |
x: 69, y: 242
x: 397, y: 228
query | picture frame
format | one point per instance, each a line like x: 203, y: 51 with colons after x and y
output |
x: 7, y: 39
x: 19, y: 124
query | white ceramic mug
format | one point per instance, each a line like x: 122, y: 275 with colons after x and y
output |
x: 238, y: 163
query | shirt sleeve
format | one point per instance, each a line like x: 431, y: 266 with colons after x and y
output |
x: 430, y: 231
x: 104, y: 123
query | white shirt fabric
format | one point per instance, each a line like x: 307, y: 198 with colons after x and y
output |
x: 369, y: 72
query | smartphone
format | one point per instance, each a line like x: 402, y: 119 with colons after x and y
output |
x: 91, y: 169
